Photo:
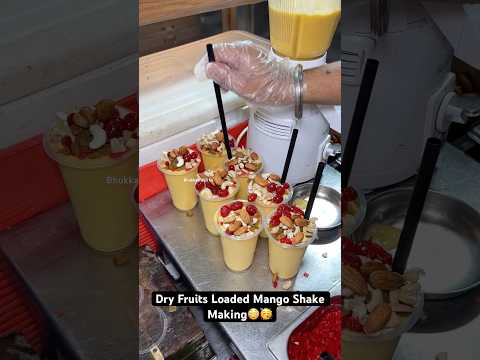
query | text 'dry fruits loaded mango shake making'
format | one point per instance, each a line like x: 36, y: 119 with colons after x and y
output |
x: 96, y: 150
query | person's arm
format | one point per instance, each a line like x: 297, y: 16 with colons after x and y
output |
x: 247, y: 70
x: 323, y: 85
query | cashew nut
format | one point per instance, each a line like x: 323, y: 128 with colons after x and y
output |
x: 408, y: 293
x: 99, y: 137
x: 375, y: 299
x: 395, y: 305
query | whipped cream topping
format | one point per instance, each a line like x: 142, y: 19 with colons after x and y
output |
x: 289, y: 226
x: 268, y: 190
x: 244, y: 162
x: 216, y: 184
x: 213, y: 143
x: 181, y: 159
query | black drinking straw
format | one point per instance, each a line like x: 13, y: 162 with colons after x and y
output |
x: 417, y: 201
x: 289, y: 156
x: 221, y: 111
x: 358, y: 118
x: 313, y: 192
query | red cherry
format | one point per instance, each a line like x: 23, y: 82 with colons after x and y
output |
x: 70, y: 119
x: 349, y: 194
x: 275, y: 221
x: 288, y: 241
x: 286, y: 186
x: 283, y: 240
x: 130, y: 121
x: 215, y: 190
x: 231, y: 142
x: 237, y: 205
x: 252, y: 210
x: 225, y: 210
x: 187, y: 157
x: 286, y: 212
x: 193, y: 155
x: 277, y: 199
x: 280, y: 191
x: 231, y: 167
x: 200, y: 185
x: 67, y: 141
x: 272, y: 187
x: 297, y: 210
x: 222, y: 193
x: 252, y: 197
x: 283, y: 207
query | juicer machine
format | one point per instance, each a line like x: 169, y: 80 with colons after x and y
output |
x: 294, y: 30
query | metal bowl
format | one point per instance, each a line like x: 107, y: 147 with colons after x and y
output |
x: 360, y: 216
x: 447, y: 241
x: 326, y: 207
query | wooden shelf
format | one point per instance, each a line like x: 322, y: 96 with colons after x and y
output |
x: 152, y: 11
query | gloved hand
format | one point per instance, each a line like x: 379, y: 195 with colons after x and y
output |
x: 246, y: 69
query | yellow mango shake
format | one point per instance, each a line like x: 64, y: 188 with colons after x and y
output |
x: 246, y: 164
x: 180, y: 168
x: 215, y: 189
x: 100, y: 178
x: 289, y: 235
x: 303, y: 29
x: 238, y: 224
x: 212, y: 148
x: 267, y: 193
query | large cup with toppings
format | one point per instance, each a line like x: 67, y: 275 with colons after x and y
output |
x: 180, y: 168
x: 212, y: 148
x: 379, y: 305
x: 246, y: 164
x: 267, y: 193
x: 96, y: 150
x: 215, y: 189
x: 238, y: 224
x: 289, y: 235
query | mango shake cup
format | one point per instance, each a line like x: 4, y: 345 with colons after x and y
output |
x: 246, y: 164
x: 289, y: 235
x: 215, y: 189
x: 238, y: 224
x: 267, y: 193
x: 180, y: 168
x: 212, y: 148
x: 96, y: 150
x: 379, y: 305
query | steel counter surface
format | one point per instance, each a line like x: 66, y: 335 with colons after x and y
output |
x: 89, y: 301
x: 198, y: 255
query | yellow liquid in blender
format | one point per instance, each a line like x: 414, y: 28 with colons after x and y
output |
x: 301, y: 35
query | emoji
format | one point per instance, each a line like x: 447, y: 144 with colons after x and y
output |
x: 253, y: 314
x: 266, y: 314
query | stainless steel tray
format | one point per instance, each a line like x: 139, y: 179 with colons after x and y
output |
x: 326, y: 207
x: 447, y: 243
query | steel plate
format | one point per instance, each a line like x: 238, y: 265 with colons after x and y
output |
x: 447, y: 242
x: 327, y: 205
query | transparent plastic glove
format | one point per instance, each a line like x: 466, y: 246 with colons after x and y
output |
x: 247, y: 70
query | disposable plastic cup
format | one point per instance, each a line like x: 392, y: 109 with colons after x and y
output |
x: 358, y: 346
x: 181, y: 185
x: 100, y: 192
x: 243, y: 180
x: 211, y: 206
x: 213, y: 161
x: 238, y: 251
x: 284, y: 259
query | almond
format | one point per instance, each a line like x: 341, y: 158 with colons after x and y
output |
x: 274, y: 177
x: 241, y: 231
x: 217, y: 179
x: 285, y: 220
x: 219, y: 136
x: 385, y: 280
x: 299, y: 221
x: 378, y: 318
x: 250, y: 166
x: 254, y: 156
x: 172, y: 154
x: 222, y: 172
x: 297, y: 238
x: 214, y: 146
x: 245, y: 216
x: 261, y: 181
x: 182, y: 150
x: 353, y: 280
x: 371, y: 266
x: 81, y: 121
x: 234, y: 226
x: 229, y: 219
